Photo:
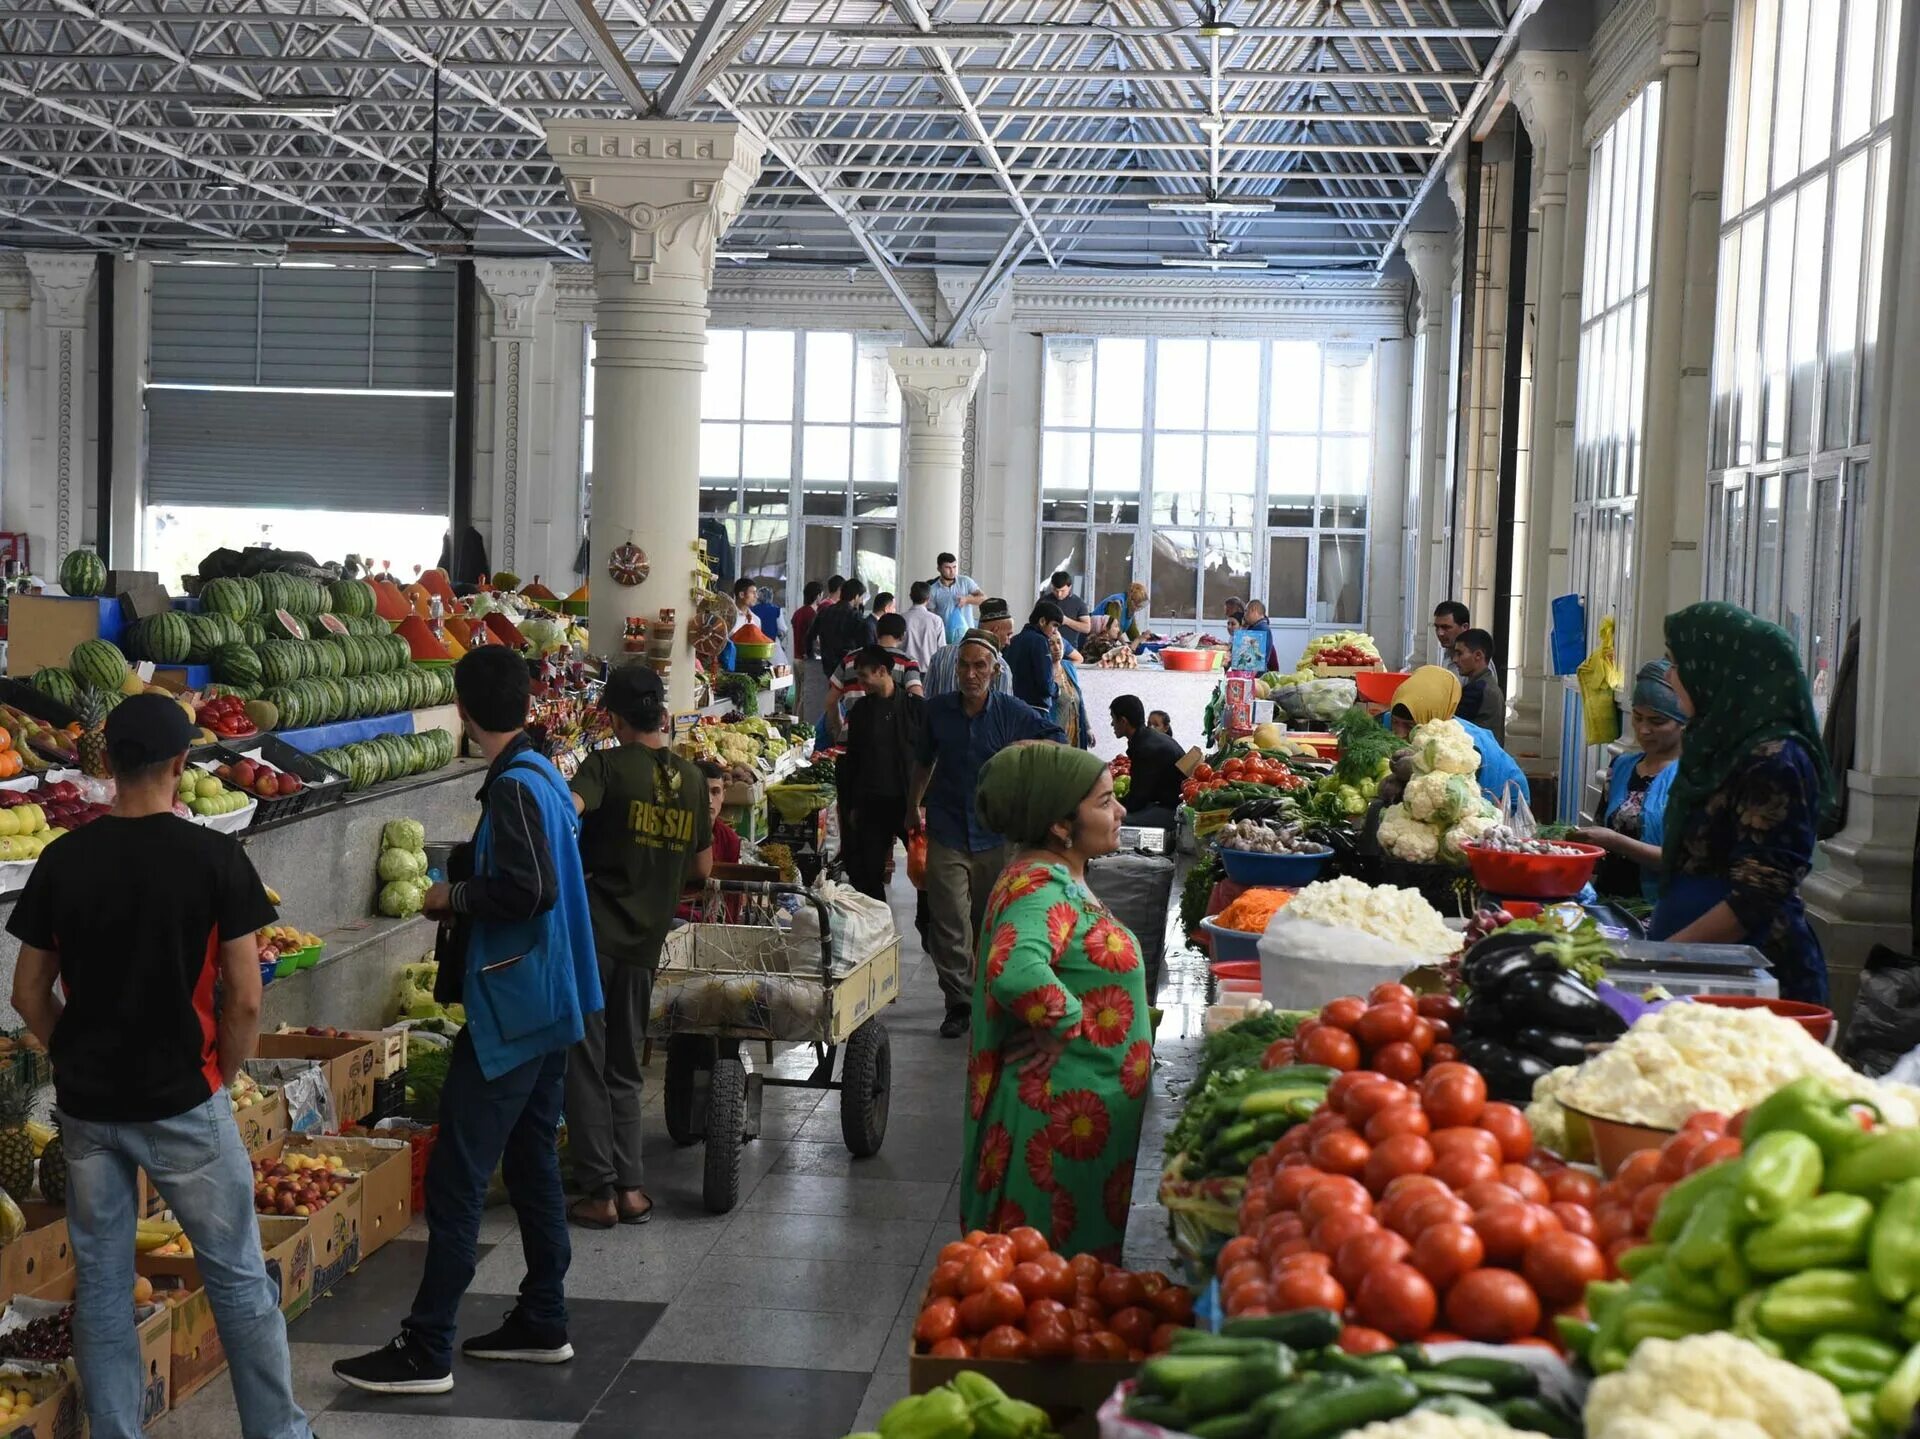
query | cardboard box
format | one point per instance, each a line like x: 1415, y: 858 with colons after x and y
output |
x: 385, y: 1167
x: 263, y: 1123
x: 38, y: 1258
x: 43, y: 629
x: 1070, y: 1391
x: 752, y: 793
x: 197, y: 1358
x: 389, y: 1050
x: 335, y: 1234
x: 287, y: 1245
x: 348, y: 1064
x: 58, y: 1416
x: 155, y: 1332
x: 140, y: 591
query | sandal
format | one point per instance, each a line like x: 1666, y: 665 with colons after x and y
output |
x: 587, y: 1217
x: 635, y: 1216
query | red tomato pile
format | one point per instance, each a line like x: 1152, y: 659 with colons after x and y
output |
x: 1625, y: 1206
x: 1252, y: 769
x: 1009, y: 1296
x: 1421, y: 1212
x: 1392, y: 1032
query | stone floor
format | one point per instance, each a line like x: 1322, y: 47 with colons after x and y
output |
x: 789, y: 1318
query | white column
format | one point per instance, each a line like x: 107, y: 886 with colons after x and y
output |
x: 1548, y: 93
x: 62, y: 284
x: 125, y: 391
x: 935, y: 387
x: 656, y: 196
x: 515, y: 288
x: 1432, y: 256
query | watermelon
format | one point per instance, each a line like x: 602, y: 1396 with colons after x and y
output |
x: 283, y: 624
x: 351, y: 598
x: 83, y: 574
x: 99, y: 664
x: 253, y: 633
x: 166, y: 637
x: 57, y: 684
x: 235, y: 664
x: 230, y: 597
x: 203, y: 635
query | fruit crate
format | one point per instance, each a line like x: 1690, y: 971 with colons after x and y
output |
x: 389, y: 1098
x: 321, y: 786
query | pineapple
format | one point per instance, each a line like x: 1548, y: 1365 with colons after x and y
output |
x: 16, y: 1145
x: 92, y: 743
x: 53, y: 1172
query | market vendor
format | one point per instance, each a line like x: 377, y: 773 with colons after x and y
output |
x: 1746, y: 797
x: 1154, y: 760
x: 1061, y: 1058
x: 1432, y: 693
x: 1633, y: 823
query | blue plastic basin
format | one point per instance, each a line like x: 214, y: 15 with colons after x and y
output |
x: 1289, y: 871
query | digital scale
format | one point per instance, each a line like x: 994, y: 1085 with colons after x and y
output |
x: 1693, y: 968
x: 1145, y: 841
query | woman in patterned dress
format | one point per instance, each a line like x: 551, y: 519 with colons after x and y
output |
x: 1747, y: 794
x: 1062, y: 1053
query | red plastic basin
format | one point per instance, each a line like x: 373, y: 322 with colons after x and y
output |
x: 1190, y: 660
x: 1533, y: 876
x: 1377, y: 686
x: 1816, y: 1019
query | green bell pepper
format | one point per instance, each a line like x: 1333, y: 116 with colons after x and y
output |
x: 1576, y: 1334
x: 1746, y: 1325
x: 1851, y: 1362
x: 1645, y: 1319
x: 1893, y: 1253
x: 1895, y: 1400
x: 1909, y: 1321
x: 1828, y: 1231
x: 1678, y: 1203
x: 1711, y: 1234
x: 1638, y: 1260
x: 1604, y: 1297
x: 996, y: 1415
x: 1779, y: 1172
x: 1814, y: 1108
x: 937, y: 1414
x: 1819, y: 1301
x: 1884, y: 1160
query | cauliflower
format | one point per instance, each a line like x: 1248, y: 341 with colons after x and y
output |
x: 1553, y: 1126
x: 1423, y: 1424
x: 1442, y: 745
x: 1398, y: 916
x: 1712, y: 1385
x: 1440, y: 797
x: 1404, y: 837
x: 1465, y: 831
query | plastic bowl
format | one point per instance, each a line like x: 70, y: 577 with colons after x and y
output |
x: 1377, y: 686
x: 1816, y: 1019
x: 1533, y: 876
x: 1238, y: 976
x: 1193, y: 661
x: 1230, y: 946
x: 753, y: 652
x: 1283, y: 871
x: 1615, y: 1141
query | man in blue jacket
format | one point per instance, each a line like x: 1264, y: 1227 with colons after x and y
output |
x: 516, y: 947
x: 1030, y: 657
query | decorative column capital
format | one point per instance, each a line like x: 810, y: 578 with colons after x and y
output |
x: 937, y: 383
x: 1430, y: 256
x: 667, y: 189
x: 62, y: 282
x: 515, y: 287
x: 1549, y: 91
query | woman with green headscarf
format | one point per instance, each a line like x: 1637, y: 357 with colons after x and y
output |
x: 1747, y: 794
x: 1057, y: 1081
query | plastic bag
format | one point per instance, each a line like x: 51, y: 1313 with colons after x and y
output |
x: 861, y: 927
x: 1885, y: 1023
x: 917, y: 859
x: 304, y: 1085
x: 1138, y: 888
x: 1600, y: 676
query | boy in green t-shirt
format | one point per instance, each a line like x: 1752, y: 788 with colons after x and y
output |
x: 646, y: 834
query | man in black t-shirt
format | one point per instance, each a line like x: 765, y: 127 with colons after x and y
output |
x: 1153, y: 792
x: 1075, y: 617
x: 138, y: 918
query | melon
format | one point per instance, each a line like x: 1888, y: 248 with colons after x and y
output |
x: 83, y: 573
x: 166, y: 638
x: 235, y: 664
x: 100, y: 664
x: 203, y: 635
x: 232, y: 598
x: 263, y: 714
x: 57, y: 684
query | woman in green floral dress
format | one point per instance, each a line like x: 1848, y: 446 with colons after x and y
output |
x: 1057, y: 1081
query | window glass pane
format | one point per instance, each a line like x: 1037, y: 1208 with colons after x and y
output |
x: 1714, y: 586
x: 1180, y: 385
x: 1293, y: 465
x: 1349, y: 391
x: 1344, y: 468
x: 1823, y: 60
x: 1786, y: 115
x: 1723, y: 353
x: 1843, y: 295
x: 1116, y: 478
x: 768, y: 382
x: 1736, y: 551
x: 1060, y: 550
x: 1233, y: 385
x: 766, y: 452
x: 876, y: 456
x: 1342, y: 567
x: 873, y: 557
x: 1287, y: 577
x: 1778, y: 298
x: 720, y: 451
x: 824, y: 551
x: 1876, y: 241
x: 1797, y: 559
x: 720, y: 386
x: 1230, y: 466
x: 1803, y: 362
x: 1228, y: 572
x: 830, y: 377
x: 1766, y: 546
x: 719, y: 499
x: 1830, y: 538
x: 1760, y: 76
x: 760, y: 553
x: 1862, y: 69
x: 1064, y: 457
x: 1175, y: 574
x: 1120, y: 383
x: 1889, y: 56
x: 876, y: 501
x: 824, y: 452
x: 1178, y: 466
x: 1069, y: 382
x: 876, y: 394
x: 1113, y: 564
x: 1295, y: 404
x: 1746, y: 346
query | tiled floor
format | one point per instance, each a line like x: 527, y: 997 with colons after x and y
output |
x: 789, y: 1318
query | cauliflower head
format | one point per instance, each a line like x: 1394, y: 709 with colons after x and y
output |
x: 1444, y: 746
x: 1553, y: 1126
x: 1464, y: 832
x: 1422, y: 1424
x: 1426, y: 796
x: 1712, y: 1384
x: 1406, y: 838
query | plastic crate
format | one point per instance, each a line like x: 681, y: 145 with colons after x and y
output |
x: 389, y: 1097
x: 321, y: 786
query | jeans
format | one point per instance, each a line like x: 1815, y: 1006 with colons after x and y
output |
x: 513, y: 1121
x: 200, y: 1167
x: 605, y: 1083
x: 958, y: 883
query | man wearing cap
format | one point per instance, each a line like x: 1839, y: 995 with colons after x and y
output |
x: 647, y: 832
x: 1030, y: 657
x: 137, y: 918
x: 996, y: 620
x: 963, y: 730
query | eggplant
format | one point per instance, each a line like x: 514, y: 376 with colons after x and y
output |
x: 1550, y: 1045
x: 1558, y: 1001
x: 1492, y: 973
x: 1504, y: 941
x: 1510, y: 1074
x: 1482, y: 1016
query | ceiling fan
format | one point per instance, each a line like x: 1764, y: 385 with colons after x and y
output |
x: 432, y: 201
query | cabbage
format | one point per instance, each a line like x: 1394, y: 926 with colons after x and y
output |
x: 1327, y: 700
x: 400, y: 899
x: 401, y: 864
x: 404, y: 834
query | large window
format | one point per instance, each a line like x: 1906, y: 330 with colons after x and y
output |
x: 1209, y: 470
x: 799, y: 455
x: 1803, y: 217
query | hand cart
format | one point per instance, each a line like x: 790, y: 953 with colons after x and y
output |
x: 723, y: 983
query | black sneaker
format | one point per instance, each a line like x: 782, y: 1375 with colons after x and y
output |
x: 400, y: 1368
x: 522, y: 1341
x: 958, y: 1021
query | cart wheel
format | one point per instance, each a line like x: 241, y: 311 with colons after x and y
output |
x: 864, y: 1081
x: 687, y: 1055
x: 726, y: 1133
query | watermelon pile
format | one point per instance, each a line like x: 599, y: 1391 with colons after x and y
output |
x: 324, y: 699
x: 366, y: 763
x: 83, y: 573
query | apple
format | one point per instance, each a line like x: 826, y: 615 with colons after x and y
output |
x: 266, y: 786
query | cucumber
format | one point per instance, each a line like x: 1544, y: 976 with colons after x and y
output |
x: 1436, y: 1382
x: 1529, y: 1413
x: 1507, y: 1378
x: 1458, y: 1406
x: 1229, y: 1426
x: 1198, y: 1341
x: 1297, y: 1329
x: 1321, y: 1416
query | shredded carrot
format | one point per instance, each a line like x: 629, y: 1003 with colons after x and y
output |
x: 1251, y: 911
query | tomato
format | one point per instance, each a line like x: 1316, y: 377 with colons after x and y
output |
x: 1396, y: 1156
x: 1113, y: 1349
x: 998, y: 1304
x: 1358, y: 1339
x: 1469, y: 1137
x: 1616, y: 1248
x: 1453, y: 1094
x: 1384, y: 1024
x: 1307, y: 1259
x: 1040, y: 1310
x: 1061, y: 1282
x: 1246, y: 1294
x: 1508, y: 1124
x: 1289, y: 1185
x: 1336, y: 1191
x: 1001, y: 1247
x: 1003, y: 1341
x: 1489, y: 1193
x: 1422, y: 1037
x: 1091, y: 1311
x: 1561, y: 1266
x: 1203, y: 772
x: 1292, y: 1248
x: 1506, y: 1230
x: 1119, y: 1289
x: 1494, y: 1306
x: 1246, y: 1269
x: 1340, y: 1226
x: 1717, y: 1152
x: 1050, y: 1336
x: 1279, y: 1054
x: 1174, y: 1304
x: 1028, y: 1243
x: 1442, y: 1034
x: 1341, y: 1153
x: 956, y: 1253
x: 1133, y: 1324
x: 1337, y: 1091
x: 1343, y: 1013
x: 1613, y: 1221
x: 1400, y: 1195
x: 1391, y: 993
x: 984, y: 1270
x: 1163, y: 1337
x: 1677, y: 1151
x: 1442, y: 1053
x: 1308, y: 1289
x: 1324, y: 1121
x: 1364, y: 1253
x: 1088, y: 1269
x: 1413, y: 1183
x: 1444, y: 1252
x: 1033, y: 1282
x: 1397, y: 1300
x: 1638, y: 1171
x: 1364, y: 1101
x: 1334, y: 1048
x: 955, y: 1348
x: 1461, y: 1167
x: 1531, y: 1186
x: 1576, y: 1219
x: 1434, y: 1209
x: 946, y: 1280
x: 1398, y: 1119
x: 1400, y: 1059
x: 939, y: 1320
x: 1711, y: 1120
x: 1646, y: 1204
x: 1241, y: 1246
x: 1278, y: 1229
x: 1571, y: 1186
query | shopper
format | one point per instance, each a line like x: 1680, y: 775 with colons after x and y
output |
x: 1162, y: 721
x: 1030, y: 657
x: 517, y: 950
x: 1074, y: 613
x: 883, y: 735
x: 926, y: 633
x: 964, y: 729
x: 843, y: 629
x: 1069, y: 709
x: 1481, y: 700
x: 883, y: 604
x: 135, y: 919
x: 1255, y: 619
x: 766, y: 611
x: 845, y: 689
x: 1450, y: 621
x: 803, y: 617
x: 726, y: 846
x: 995, y: 620
x: 810, y: 685
x: 952, y: 593
x: 1153, y: 759
x: 646, y: 831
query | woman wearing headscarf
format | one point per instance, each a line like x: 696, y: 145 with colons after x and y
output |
x: 1633, y: 824
x: 1431, y: 693
x: 1069, y: 709
x: 1057, y: 1081
x: 1747, y: 794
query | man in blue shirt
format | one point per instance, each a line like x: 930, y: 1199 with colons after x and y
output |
x: 952, y: 596
x: 963, y: 730
x: 1030, y: 657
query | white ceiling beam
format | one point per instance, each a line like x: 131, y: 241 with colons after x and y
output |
x: 671, y: 98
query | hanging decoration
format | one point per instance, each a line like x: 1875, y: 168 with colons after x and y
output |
x: 628, y: 564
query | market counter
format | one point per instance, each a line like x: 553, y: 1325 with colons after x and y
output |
x: 1183, y: 694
